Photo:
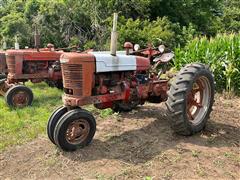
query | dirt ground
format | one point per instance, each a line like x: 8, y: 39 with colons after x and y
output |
x: 137, y: 145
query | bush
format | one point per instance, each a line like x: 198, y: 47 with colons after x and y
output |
x: 222, y: 53
x: 145, y: 31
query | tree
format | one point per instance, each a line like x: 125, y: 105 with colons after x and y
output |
x: 231, y: 15
x: 201, y: 13
x: 15, y: 24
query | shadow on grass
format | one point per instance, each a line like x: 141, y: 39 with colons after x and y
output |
x: 141, y: 145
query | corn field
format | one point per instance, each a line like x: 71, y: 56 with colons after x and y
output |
x: 221, y: 53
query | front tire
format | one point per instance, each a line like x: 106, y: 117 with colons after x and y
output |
x: 52, y: 122
x: 19, y: 96
x: 75, y: 129
x: 190, y: 99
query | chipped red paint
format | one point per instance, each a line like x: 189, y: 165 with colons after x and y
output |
x: 143, y: 64
x: 3, y: 65
x: 16, y: 58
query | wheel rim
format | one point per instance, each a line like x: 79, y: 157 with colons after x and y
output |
x: 198, y: 100
x: 20, y: 99
x: 77, y: 131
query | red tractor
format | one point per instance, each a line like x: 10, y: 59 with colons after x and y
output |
x: 3, y: 65
x: 122, y: 82
x: 36, y: 65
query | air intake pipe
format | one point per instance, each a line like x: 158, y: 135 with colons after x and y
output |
x: 36, y: 38
x: 114, y: 36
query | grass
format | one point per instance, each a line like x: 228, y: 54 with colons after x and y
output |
x: 21, y: 125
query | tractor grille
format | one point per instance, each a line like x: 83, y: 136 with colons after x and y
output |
x: 2, y: 62
x: 11, y: 64
x: 72, y: 77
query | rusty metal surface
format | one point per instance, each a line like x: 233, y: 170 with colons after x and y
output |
x: 3, y: 64
x: 77, y: 131
x: 20, y: 99
x: 4, y: 86
x: 29, y: 64
x: 33, y: 54
x: 72, y: 77
x: 11, y: 64
x: 194, y: 99
x: 80, y: 70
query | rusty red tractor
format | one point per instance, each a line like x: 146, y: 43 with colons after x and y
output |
x: 35, y: 65
x: 123, y: 81
x: 3, y: 65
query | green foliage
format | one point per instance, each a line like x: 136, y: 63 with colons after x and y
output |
x: 201, y: 13
x: 231, y: 15
x: 80, y: 22
x: 222, y: 53
x: 90, y: 45
x: 131, y: 9
x: 145, y: 31
x: 14, y: 24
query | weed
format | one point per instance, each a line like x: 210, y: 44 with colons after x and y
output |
x: 200, y: 171
x: 235, y: 158
x: 100, y: 177
x: 105, y: 113
x: 148, y: 178
x: 168, y: 174
x: 195, y: 153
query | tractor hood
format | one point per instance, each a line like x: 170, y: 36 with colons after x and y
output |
x: 104, y: 62
x: 33, y: 54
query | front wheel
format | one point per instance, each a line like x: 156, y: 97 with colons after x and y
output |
x: 190, y: 99
x: 19, y: 96
x: 75, y: 128
x: 52, y: 121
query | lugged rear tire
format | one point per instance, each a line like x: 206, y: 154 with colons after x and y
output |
x: 190, y: 99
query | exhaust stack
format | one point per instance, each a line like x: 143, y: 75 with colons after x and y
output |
x: 114, y: 36
x: 16, y: 43
x: 36, y: 38
x: 4, y: 44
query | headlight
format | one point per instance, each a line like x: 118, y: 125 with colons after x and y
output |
x: 136, y: 47
x: 161, y: 48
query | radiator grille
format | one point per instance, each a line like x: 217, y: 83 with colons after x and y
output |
x: 11, y: 64
x: 2, y: 62
x: 72, y: 77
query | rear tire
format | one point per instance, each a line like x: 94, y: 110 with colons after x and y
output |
x: 190, y: 99
x: 19, y: 96
x: 54, y: 118
x: 75, y: 129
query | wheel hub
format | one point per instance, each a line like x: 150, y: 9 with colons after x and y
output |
x: 77, y: 131
x: 20, y: 99
x: 198, y: 100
